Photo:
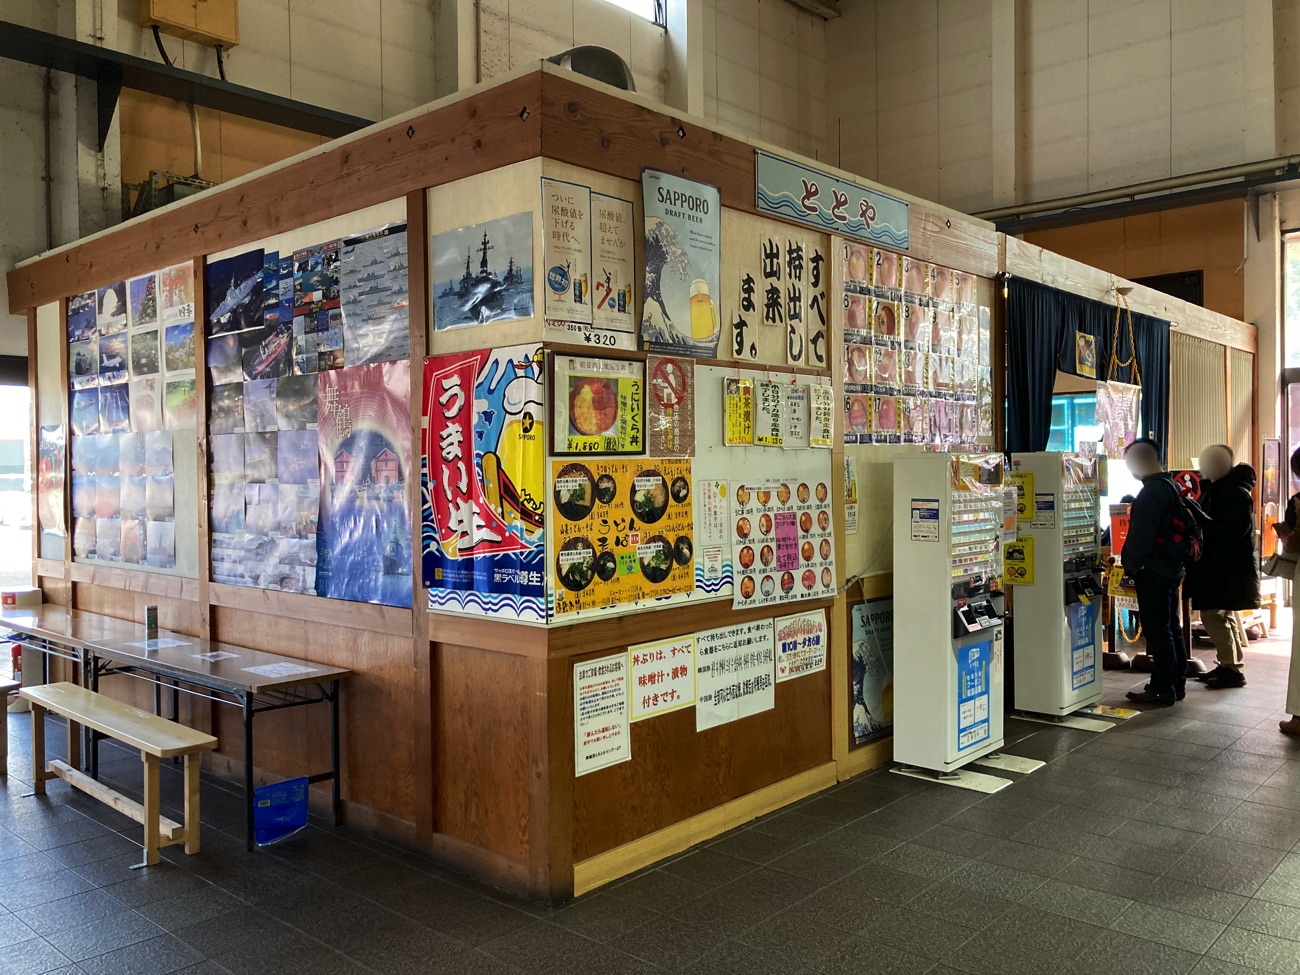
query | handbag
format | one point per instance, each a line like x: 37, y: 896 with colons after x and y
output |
x: 1280, y: 565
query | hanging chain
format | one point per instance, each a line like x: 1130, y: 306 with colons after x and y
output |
x: 1130, y: 363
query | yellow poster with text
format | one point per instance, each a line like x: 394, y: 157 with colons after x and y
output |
x: 1018, y: 561
x: 1023, y: 482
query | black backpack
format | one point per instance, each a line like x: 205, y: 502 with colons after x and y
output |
x: 1183, y: 538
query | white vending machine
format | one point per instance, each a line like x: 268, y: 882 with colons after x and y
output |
x: 1055, y: 615
x: 948, y: 681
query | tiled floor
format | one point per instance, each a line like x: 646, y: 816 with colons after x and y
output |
x: 1164, y: 846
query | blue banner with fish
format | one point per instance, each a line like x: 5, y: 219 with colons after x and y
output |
x: 484, y: 483
x: 827, y: 203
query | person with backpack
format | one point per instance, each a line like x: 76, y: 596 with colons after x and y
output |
x: 1162, y: 536
x: 1226, y: 579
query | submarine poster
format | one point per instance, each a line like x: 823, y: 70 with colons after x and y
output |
x: 484, y: 489
x: 483, y: 273
x: 623, y: 532
x: 364, y: 432
x: 683, y: 265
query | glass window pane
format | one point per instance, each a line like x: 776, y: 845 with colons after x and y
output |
x: 1291, y: 299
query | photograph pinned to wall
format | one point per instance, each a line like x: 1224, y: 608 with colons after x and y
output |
x: 83, y: 538
x: 918, y: 325
x: 683, y: 269
x: 142, y: 293
x: 884, y: 370
x: 670, y: 407
x: 110, y: 309
x: 180, y: 404
x: 225, y: 360
x: 261, y: 413
x: 50, y: 467
x: 364, y: 540
x: 176, y: 294
x: 375, y: 298
x: 227, y: 453
x: 885, y: 328
x: 271, y: 287
x: 857, y: 418
x: 233, y: 293
x: 483, y: 273
x: 112, y: 359
x: 108, y: 496
x: 871, y: 647
x: 484, y: 482
x: 597, y: 563
x: 316, y: 275
x: 857, y: 318
x: 884, y: 420
x: 599, y: 405
x: 159, y: 498
x: 132, y: 497
x: 108, y: 539
x: 114, y: 409
x: 160, y: 544
x: 914, y: 420
x: 297, y: 457
x: 271, y: 354
x: 178, y: 347
x: 295, y: 402
x: 133, y: 541
x: 226, y: 409
x: 228, y: 502
x: 131, y: 454
x: 566, y: 251
x: 261, y: 462
x: 916, y: 279
x: 158, y: 452
x: 83, y: 364
x: 1085, y: 355
x: 82, y: 316
x: 144, y: 353
x: 737, y: 411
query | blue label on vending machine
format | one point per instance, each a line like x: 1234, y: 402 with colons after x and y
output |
x: 1082, y: 620
x: 974, y: 661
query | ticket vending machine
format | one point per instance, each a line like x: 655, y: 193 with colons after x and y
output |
x: 1057, y: 655
x: 948, y: 606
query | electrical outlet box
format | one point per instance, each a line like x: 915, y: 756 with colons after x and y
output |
x: 206, y: 22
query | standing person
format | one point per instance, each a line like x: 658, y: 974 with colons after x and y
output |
x: 1226, y: 579
x: 1157, y: 574
x: 1290, y: 540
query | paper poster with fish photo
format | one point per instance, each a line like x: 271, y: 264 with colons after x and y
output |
x: 233, y: 293
x: 483, y: 273
x: 683, y: 265
x: 364, y: 426
x: 484, y: 482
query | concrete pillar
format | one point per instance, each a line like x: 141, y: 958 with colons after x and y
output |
x: 1263, y: 308
x: 1006, y: 43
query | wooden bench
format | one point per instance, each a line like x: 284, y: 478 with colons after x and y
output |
x: 7, y: 687
x: 155, y: 737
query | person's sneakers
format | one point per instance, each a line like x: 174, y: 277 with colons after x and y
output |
x: 1291, y: 726
x: 1151, y: 697
x: 1214, y: 674
x: 1180, y: 692
x: 1225, y: 678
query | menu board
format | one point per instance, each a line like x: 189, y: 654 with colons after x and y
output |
x: 623, y: 532
x: 781, y: 537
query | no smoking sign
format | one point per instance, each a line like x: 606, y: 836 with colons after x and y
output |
x: 670, y: 408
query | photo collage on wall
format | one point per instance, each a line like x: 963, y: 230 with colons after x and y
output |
x: 300, y: 358
x: 917, y: 357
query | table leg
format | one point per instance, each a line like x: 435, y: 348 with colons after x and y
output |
x: 192, y: 764
x: 334, y: 746
x: 94, y: 735
x: 152, y: 810
x: 38, y: 749
x: 248, y: 772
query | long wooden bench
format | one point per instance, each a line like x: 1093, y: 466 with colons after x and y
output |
x: 155, y: 737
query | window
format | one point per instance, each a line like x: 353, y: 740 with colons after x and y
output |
x: 652, y: 10
x: 15, y: 492
x: 1074, y: 421
x: 1291, y: 301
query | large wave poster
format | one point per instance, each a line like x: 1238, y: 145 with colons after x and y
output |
x: 484, y: 483
x: 364, y: 537
x: 683, y: 265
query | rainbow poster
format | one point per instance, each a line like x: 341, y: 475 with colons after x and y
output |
x: 364, y: 430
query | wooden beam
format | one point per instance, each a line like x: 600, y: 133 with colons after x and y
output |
x: 464, y: 136
x: 135, y: 580
x: 168, y: 828
x: 392, y: 620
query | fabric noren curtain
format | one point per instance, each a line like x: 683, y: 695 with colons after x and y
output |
x: 1041, y: 322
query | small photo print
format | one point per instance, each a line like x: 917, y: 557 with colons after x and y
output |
x: 180, y: 404
x: 178, y: 355
x: 260, y: 457
x: 260, y: 406
x: 108, y: 536
x: 81, y: 317
x: 111, y: 309
x: 112, y: 359
x: 85, y: 412
x: 133, y: 497
x: 143, y: 293
x: 227, y: 454
x: 226, y: 409
x: 159, y: 498
x: 261, y: 508
x: 158, y: 452
x: 225, y: 360
x: 104, y: 452
x: 133, y: 547
x: 298, y: 457
x: 131, y: 447
x: 85, y: 491
x: 228, y: 508
x: 161, y: 544
x: 272, y: 356
x: 83, y: 538
x: 114, y: 409
x: 295, y: 403
x: 144, y: 353
x: 83, y: 363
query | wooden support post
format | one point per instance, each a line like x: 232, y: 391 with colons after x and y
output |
x: 152, y: 809
x: 192, y: 765
x: 38, y: 749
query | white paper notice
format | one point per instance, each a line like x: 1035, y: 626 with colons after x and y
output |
x: 163, y: 644
x: 280, y: 670
x: 600, y: 714
x: 821, y: 408
x: 925, y: 519
x: 214, y: 655
x: 1044, y: 511
x: 851, y: 518
x: 566, y: 225
x: 663, y: 676
x: 713, y: 523
x: 800, y: 644
x: 794, y: 416
x: 735, y: 675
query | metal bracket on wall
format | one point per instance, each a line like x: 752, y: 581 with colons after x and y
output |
x: 112, y: 71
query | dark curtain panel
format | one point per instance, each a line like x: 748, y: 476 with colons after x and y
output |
x: 1041, y: 327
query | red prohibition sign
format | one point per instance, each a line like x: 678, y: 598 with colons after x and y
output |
x: 669, y: 383
x: 1189, y: 484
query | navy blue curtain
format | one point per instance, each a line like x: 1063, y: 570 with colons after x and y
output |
x: 1041, y: 327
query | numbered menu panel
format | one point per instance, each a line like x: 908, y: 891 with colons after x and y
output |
x: 782, y: 542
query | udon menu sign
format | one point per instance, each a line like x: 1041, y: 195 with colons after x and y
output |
x: 623, y: 532
x: 782, y: 539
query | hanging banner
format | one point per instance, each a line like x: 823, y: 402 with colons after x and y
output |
x: 792, y: 191
x: 872, y: 658
x: 622, y: 532
x: 663, y: 676
x: 1118, y: 408
x: 734, y: 673
x: 683, y: 268
x: 566, y: 248
x: 484, y: 482
x: 670, y: 407
x: 801, y: 644
x: 600, y: 714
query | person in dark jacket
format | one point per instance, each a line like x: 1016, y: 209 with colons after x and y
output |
x: 1156, y: 575
x: 1226, y: 578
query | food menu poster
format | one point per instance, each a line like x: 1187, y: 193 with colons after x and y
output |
x: 782, y: 542
x: 599, y: 406
x: 735, y: 673
x: 601, y: 736
x: 623, y: 532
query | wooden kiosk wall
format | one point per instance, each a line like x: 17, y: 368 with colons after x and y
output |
x: 458, y: 732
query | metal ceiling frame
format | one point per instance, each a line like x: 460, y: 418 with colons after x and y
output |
x: 112, y: 71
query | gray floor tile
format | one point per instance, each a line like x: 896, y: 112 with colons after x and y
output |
x: 1254, y: 949
x: 12, y: 931
x: 917, y: 933
x: 960, y: 905
x: 732, y: 956
x: 863, y: 957
x: 1194, y: 900
x: 1028, y: 858
x: 756, y: 847
x: 1276, y: 919
x: 478, y: 921
x: 1168, y: 927
x: 658, y: 890
x: 82, y: 941
x: 600, y: 916
x: 995, y: 954
x: 33, y: 957
x: 1117, y: 953
x: 1056, y: 934
x: 667, y: 942
x: 996, y: 880
x: 793, y: 937
x: 815, y: 863
x: 1080, y: 903
x: 921, y: 861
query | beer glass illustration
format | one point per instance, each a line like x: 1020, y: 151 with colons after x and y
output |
x: 704, y: 311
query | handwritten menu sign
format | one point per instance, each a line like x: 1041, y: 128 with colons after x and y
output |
x: 663, y: 676
x: 821, y: 407
x: 767, y: 415
x: 737, y: 411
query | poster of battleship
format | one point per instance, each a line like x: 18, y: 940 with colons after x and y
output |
x: 316, y: 278
x: 373, y: 284
x: 233, y: 293
x: 483, y: 273
x: 683, y: 265
x: 81, y: 317
x: 364, y: 537
x: 483, y: 488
